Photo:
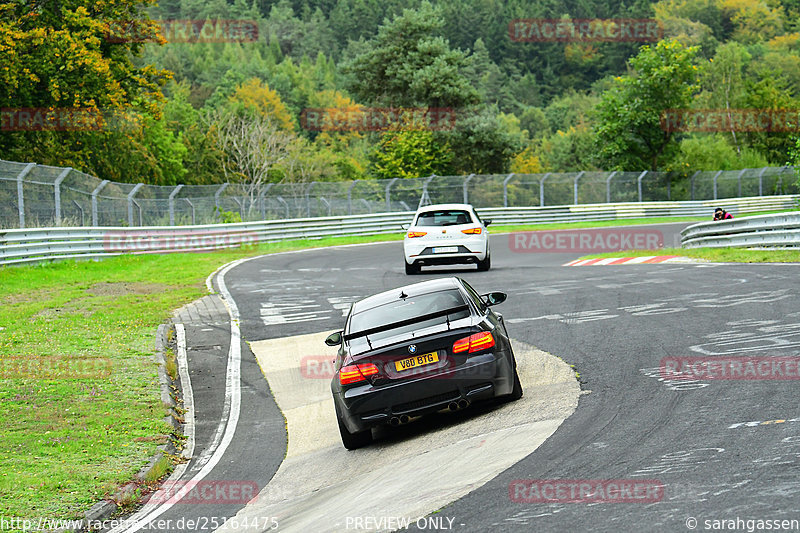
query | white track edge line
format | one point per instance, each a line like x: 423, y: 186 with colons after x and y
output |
x: 232, y: 392
x: 188, y: 393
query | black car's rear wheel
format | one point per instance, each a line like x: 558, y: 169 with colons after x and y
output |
x: 353, y: 441
x: 516, y: 392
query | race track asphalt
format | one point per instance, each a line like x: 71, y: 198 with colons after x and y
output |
x: 717, y: 449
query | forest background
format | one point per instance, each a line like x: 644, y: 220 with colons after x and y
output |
x: 203, y: 111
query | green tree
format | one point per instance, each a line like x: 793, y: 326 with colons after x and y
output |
x: 714, y: 152
x: 723, y: 81
x: 482, y: 143
x: 410, y: 153
x: 629, y: 135
x: 407, y: 65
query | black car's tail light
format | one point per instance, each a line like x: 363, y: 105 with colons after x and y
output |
x: 474, y: 343
x: 355, y: 373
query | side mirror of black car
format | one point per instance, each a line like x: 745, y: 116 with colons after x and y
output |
x: 334, y: 339
x: 494, y: 298
x: 487, y: 221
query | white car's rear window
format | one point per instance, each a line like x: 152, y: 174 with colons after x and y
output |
x: 445, y: 217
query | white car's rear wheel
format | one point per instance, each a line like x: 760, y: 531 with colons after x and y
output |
x: 486, y: 264
x: 412, y: 269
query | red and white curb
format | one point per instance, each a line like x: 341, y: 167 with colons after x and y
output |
x: 650, y: 259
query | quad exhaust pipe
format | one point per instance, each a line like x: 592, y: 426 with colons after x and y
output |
x: 405, y: 419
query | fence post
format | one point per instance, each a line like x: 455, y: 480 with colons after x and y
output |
x: 541, y: 189
x: 350, y: 197
x: 575, y: 185
x: 240, y: 203
x: 388, y: 194
x: 261, y: 195
x: 739, y: 177
x: 761, y: 181
x: 639, y: 180
x: 21, y: 195
x: 79, y: 209
x: 139, y: 207
x: 192, y: 206
x: 608, y: 186
x: 216, y: 200
x: 780, y: 178
x: 57, y: 192
x: 425, y: 195
x: 466, y: 183
x: 327, y: 204
x: 669, y: 186
x: 172, y: 195
x: 130, y: 204
x: 285, y: 204
x: 505, y: 189
x: 692, y: 184
x: 95, y: 192
x: 308, y: 197
x: 715, y: 183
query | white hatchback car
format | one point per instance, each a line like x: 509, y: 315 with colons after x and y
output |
x: 446, y: 234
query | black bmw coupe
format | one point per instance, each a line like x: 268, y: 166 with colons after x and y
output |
x: 419, y: 349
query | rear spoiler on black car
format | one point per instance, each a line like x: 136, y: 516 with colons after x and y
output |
x: 406, y: 322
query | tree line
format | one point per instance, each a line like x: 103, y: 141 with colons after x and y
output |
x: 236, y: 106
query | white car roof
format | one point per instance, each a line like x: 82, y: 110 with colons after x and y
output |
x: 436, y: 207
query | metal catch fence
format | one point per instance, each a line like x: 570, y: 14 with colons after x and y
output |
x: 34, y: 195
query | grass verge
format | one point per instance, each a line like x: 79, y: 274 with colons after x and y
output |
x: 720, y: 255
x: 69, y: 442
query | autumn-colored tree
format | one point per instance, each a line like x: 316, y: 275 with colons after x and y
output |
x: 753, y: 20
x: 526, y: 162
x: 256, y: 97
x: 77, y: 55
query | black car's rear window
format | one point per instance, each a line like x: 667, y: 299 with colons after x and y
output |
x: 410, y: 308
x: 444, y: 217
